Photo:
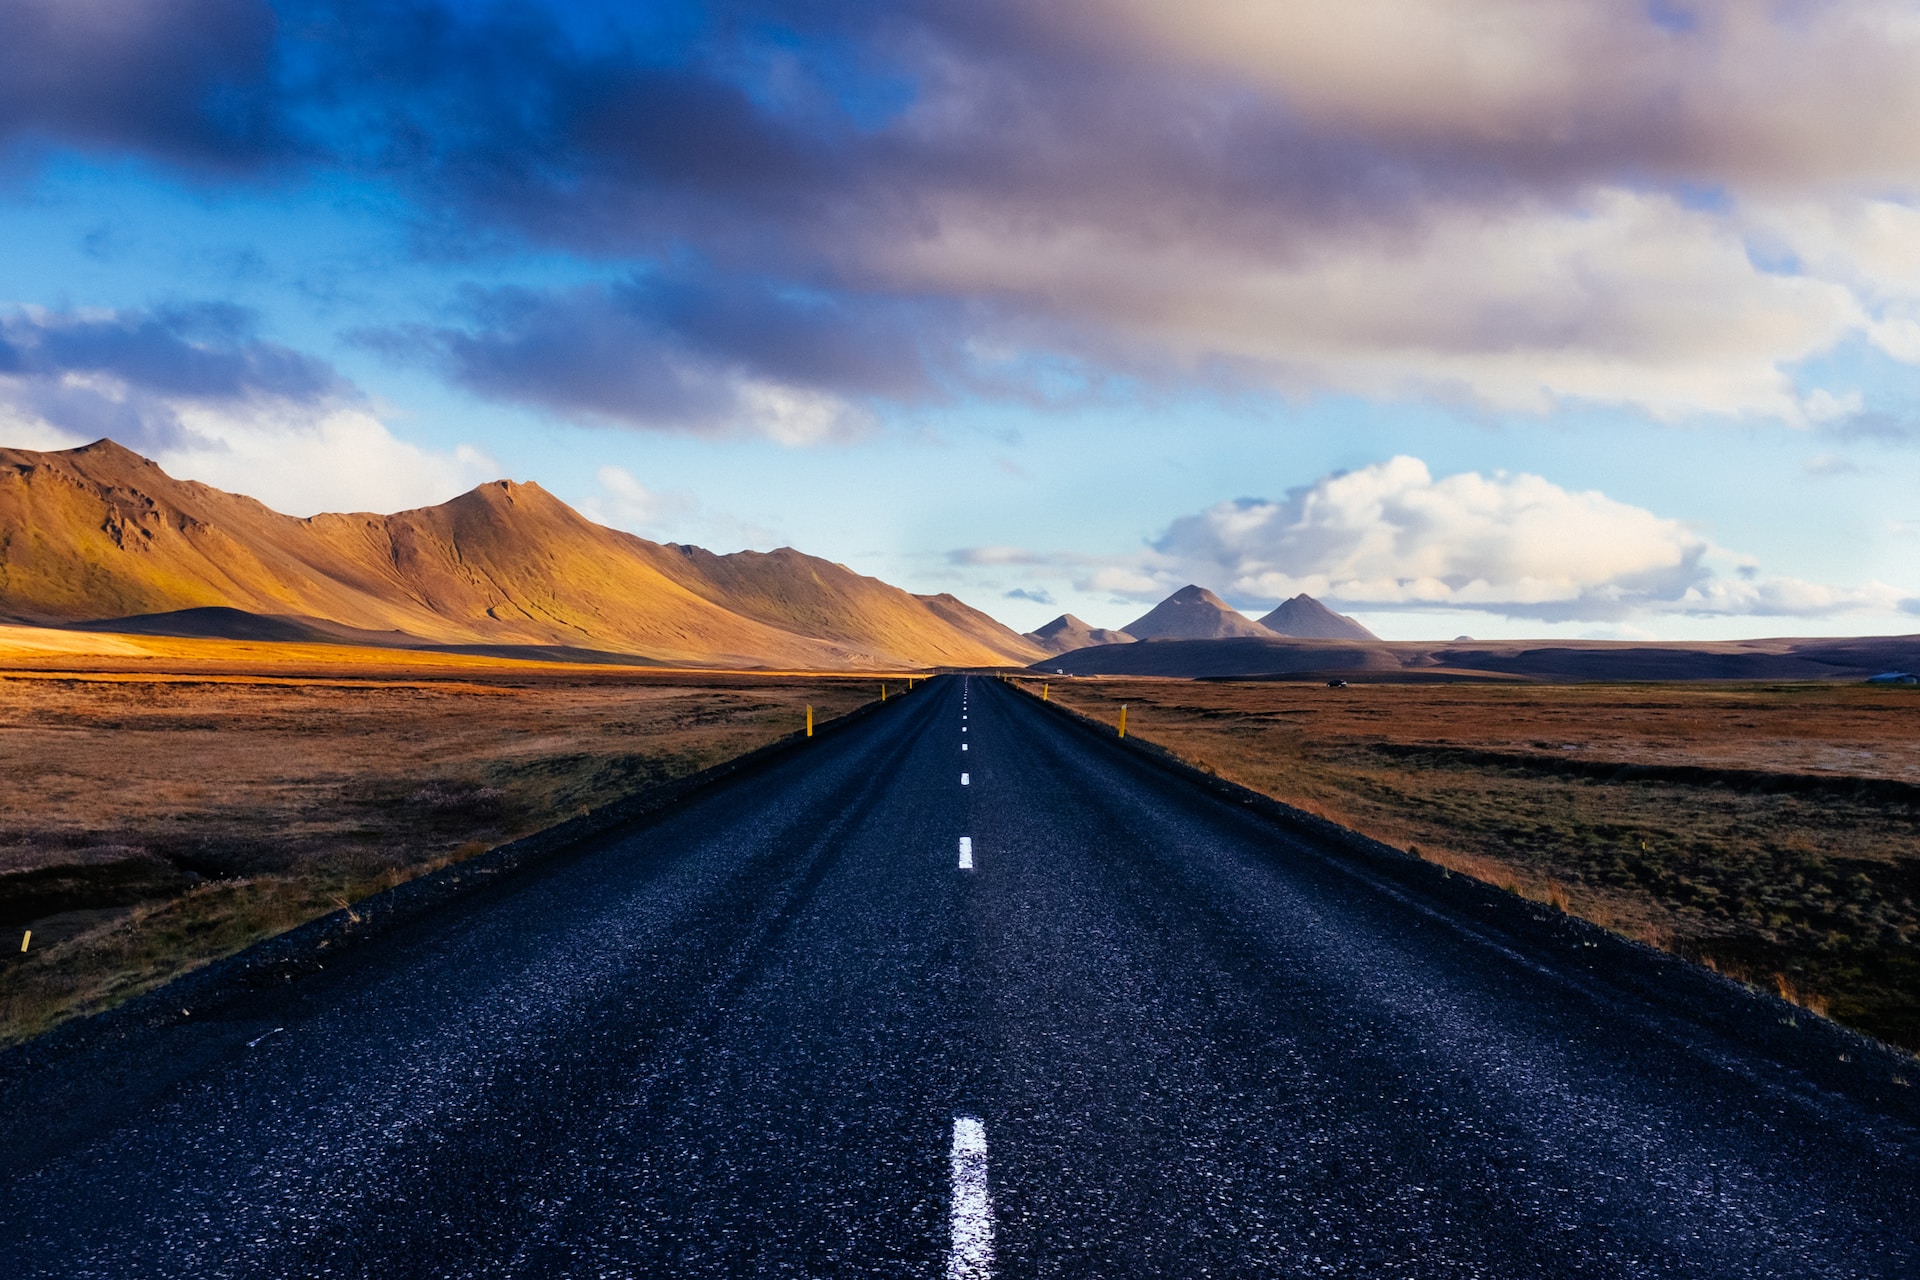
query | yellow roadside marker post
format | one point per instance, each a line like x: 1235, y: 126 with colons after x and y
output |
x: 883, y: 691
x: 809, y: 722
x: 1043, y: 691
x: 25, y: 938
x: 1123, y: 719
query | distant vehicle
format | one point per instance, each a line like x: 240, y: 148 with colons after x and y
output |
x: 1336, y: 684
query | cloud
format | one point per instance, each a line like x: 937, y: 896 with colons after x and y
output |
x: 1511, y: 203
x: 188, y: 81
x: 339, y: 458
x: 1621, y: 298
x: 196, y: 389
x: 204, y: 350
x: 993, y: 556
x: 129, y: 374
x: 1393, y: 537
x: 687, y: 350
x: 624, y: 503
x: 1038, y: 595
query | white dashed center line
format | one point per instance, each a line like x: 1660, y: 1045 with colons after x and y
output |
x: 970, y: 1255
x: 966, y: 853
x: 963, y: 746
x: 965, y: 781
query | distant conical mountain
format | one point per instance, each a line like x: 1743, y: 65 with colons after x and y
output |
x: 1305, y: 618
x: 1066, y: 633
x: 101, y: 533
x: 1193, y: 613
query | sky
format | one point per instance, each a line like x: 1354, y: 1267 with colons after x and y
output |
x: 1574, y: 318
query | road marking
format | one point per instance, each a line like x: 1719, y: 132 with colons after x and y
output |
x: 966, y: 853
x: 963, y: 746
x: 970, y: 1255
x: 257, y: 1039
x: 965, y: 781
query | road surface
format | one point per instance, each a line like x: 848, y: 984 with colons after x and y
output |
x: 963, y: 991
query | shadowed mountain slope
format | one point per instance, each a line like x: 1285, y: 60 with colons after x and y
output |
x: 100, y: 533
x: 1305, y: 618
x: 1194, y: 613
x: 1066, y: 633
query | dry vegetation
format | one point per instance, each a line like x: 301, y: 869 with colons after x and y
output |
x: 1772, y: 832
x: 152, y: 821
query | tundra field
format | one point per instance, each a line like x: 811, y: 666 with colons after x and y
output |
x: 155, y: 819
x: 171, y: 801
x: 1771, y: 832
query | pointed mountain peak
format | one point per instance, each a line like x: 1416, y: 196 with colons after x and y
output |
x: 1193, y: 593
x: 1193, y: 613
x: 1067, y: 632
x: 107, y: 447
x: 1065, y: 622
x: 1305, y: 618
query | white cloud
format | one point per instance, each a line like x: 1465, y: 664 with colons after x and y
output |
x: 1513, y: 203
x: 195, y: 389
x: 1621, y: 297
x: 333, y: 459
x: 297, y: 459
x: 623, y: 502
x: 1392, y: 537
x: 797, y: 416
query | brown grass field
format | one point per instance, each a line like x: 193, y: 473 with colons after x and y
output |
x: 1769, y: 831
x: 169, y: 802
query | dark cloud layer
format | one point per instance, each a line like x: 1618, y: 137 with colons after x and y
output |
x: 677, y: 349
x: 753, y: 127
x: 186, y: 81
x: 207, y: 351
x: 127, y: 374
x: 1281, y: 194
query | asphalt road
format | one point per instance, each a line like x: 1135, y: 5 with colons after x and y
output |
x: 780, y: 1030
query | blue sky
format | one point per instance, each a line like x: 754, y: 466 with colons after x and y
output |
x: 1542, y: 318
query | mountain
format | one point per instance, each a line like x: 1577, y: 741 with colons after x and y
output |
x: 1305, y: 618
x: 100, y: 533
x: 1067, y: 633
x: 1379, y: 661
x: 1193, y: 613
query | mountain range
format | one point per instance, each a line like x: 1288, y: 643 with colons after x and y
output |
x: 102, y: 537
x: 1195, y: 613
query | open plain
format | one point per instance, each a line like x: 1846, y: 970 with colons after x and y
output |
x: 170, y: 801
x: 1769, y: 831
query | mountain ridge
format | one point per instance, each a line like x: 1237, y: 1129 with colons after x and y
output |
x: 96, y: 533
